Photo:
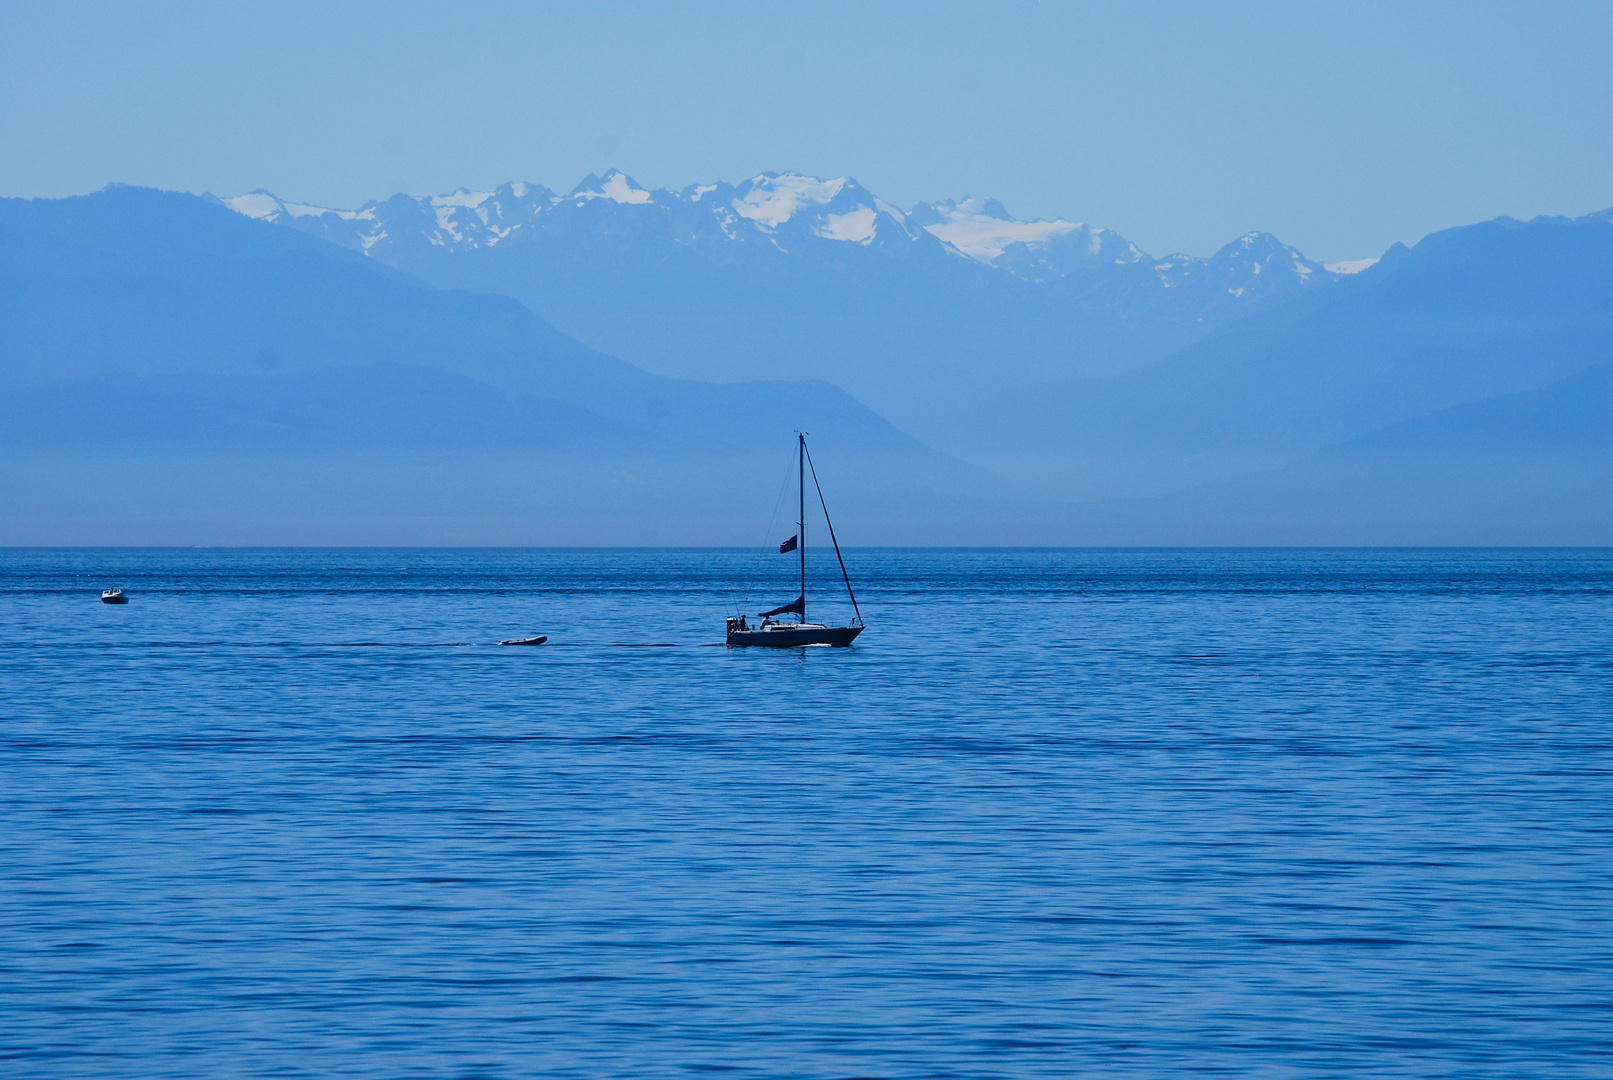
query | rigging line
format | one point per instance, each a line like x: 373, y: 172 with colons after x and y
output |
x: 778, y: 504
x: 772, y: 523
x: 832, y: 539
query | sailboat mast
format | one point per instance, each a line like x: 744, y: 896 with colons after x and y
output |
x: 800, y: 488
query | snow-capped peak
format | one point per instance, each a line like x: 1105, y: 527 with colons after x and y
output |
x: 615, y: 185
x: 1254, y: 265
x: 982, y: 228
x: 1350, y: 266
x: 838, y: 209
x: 257, y: 204
x: 1040, y: 250
x: 621, y: 188
x: 263, y: 206
x: 1259, y: 252
x: 772, y: 199
x: 981, y: 208
x: 462, y: 197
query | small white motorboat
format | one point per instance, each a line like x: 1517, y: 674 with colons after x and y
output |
x: 113, y: 596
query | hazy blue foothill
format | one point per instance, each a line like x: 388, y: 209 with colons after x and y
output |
x: 173, y: 363
x: 621, y: 365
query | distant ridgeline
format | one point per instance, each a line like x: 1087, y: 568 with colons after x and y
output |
x: 738, y: 282
x: 619, y: 365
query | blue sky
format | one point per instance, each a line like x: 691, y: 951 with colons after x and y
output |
x: 1341, y: 128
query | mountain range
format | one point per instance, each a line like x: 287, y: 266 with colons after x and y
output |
x: 784, y: 275
x: 771, y: 216
x: 618, y: 365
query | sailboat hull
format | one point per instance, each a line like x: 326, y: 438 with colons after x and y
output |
x: 786, y: 635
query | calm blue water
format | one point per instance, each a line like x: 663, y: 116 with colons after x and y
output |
x: 291, y: 813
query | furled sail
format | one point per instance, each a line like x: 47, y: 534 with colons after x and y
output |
x: 794, y: 607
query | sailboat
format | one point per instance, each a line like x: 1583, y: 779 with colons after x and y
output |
x: 800, y: 632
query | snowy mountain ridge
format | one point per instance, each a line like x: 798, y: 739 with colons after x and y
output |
x: 790, y: 213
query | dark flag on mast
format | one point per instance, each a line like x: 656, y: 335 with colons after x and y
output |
x: 788, y: 545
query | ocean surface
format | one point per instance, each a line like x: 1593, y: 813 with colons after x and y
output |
x: 1057, y: 813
